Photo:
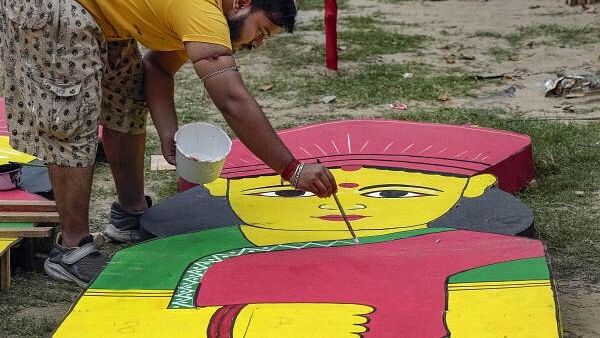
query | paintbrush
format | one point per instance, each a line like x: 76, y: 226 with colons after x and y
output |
x: 344, y: 216
x: 339, y: 205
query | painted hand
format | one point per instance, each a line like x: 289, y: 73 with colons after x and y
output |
x: 318, y: 180
x: 306, y: 320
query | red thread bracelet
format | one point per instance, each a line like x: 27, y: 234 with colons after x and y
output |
x: 289, y: 170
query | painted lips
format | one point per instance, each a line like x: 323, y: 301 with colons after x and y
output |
x: 339, y: 218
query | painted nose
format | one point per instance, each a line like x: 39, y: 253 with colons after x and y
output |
x: 334, y: 207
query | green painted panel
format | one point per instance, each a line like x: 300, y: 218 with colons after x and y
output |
x: 158, y: 264
x: 523, y: 269
x: 17, y: 225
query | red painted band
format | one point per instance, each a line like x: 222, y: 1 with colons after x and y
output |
x: 221, y: 323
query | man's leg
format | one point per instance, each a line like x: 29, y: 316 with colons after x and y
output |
x: 72, y: 188
x: 124, y: 119
x: 125, y: 153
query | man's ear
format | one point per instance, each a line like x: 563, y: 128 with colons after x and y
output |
x: 478, y: 184
x: 239, y: 4
x: 217, y: 188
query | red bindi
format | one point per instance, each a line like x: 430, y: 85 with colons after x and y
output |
x: 348, y: 185
x: 351, y: 167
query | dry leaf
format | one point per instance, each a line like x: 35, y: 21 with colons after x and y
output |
x: 328, y: 99
x: 444, y: 97
x: 467, y: 57
x: 450, y: 59
x: 266, y: 87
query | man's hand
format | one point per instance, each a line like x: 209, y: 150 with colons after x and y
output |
x: 318, y: 180
x: 167, y: 146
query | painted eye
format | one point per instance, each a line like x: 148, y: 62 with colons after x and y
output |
x: 286, y: 193
x: 393, y: 194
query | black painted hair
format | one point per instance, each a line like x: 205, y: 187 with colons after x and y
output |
x: 281, y: 12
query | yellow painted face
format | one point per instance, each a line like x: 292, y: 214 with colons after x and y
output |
x: 376, y: 201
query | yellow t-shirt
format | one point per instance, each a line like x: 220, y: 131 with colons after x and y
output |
x: 161, y: 24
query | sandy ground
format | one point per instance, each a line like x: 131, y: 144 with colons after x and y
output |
x: 455, y: 26
x: 580, y: 308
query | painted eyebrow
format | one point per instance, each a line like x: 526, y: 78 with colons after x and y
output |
x: 270, y: 186
x: 397, y: 185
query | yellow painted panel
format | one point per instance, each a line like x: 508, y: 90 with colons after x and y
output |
x: 120, y: 314
x: 144, y: 313
x: 302, y: 320
x: 8, y: 154
x: 6, y: 243
x: 502, y: 309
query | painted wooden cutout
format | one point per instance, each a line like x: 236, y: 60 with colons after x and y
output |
x: 251, y: 256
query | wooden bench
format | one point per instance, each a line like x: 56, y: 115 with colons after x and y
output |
x: 5, y: 245
x: 18, y: 220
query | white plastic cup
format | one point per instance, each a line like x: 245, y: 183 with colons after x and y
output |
x: 201, y: 151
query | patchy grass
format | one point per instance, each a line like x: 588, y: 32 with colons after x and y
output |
x: 359, y: 37
x: 33, y: 291
x: 383, y: 83
x: 555, y: 34
x: 365, y: 43
x: 499, y: 53
x: 487, y: 34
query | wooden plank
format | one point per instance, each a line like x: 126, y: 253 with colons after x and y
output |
x: 158, y: 162
x: 27, y: 232
x: 5, y: 271
x: 7, y: 243
x: 36, y: 217
x: 27, y: 206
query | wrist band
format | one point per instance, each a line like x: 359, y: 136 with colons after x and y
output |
x: 290, y: 169
x: 221, y: 71
x: 297, y: 175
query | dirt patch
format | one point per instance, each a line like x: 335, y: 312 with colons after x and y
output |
x: 54, y: 313
x: 580, y: 309
x: 483, y: 29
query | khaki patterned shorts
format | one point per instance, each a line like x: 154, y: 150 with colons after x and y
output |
x: 62, y: 78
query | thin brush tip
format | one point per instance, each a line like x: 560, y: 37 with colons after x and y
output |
x: 356, y: 241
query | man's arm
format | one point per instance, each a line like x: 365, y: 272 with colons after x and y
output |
x: 243, y: 114
x: 159, y: 71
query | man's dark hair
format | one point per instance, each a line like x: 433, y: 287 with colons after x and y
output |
x: 281, y: 12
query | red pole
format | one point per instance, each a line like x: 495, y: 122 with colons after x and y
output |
x: 331, y: 57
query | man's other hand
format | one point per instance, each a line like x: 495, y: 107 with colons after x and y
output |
x: 318, y: 180
x: 167, y: 147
